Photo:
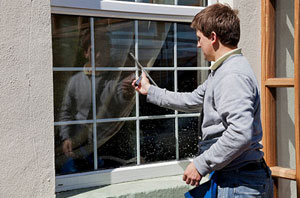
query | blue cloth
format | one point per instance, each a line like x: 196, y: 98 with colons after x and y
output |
x: 206, y: 190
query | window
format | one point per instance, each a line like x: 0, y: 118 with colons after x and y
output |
x: 104, y: 131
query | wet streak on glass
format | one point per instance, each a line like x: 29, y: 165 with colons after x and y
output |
x: 114, y: 39
x: 80, y: 159
x: 188, y: 137
x: 67, y: 34
x: 116, y: 144
x: 157, y: 140
x: 164, y: 79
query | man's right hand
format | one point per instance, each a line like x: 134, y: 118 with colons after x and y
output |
x: 143, y: 86
x: 67, y: 148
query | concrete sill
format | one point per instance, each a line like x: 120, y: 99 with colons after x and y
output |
x: 163, y: 187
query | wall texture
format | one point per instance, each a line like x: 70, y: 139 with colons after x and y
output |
x: 26, y: 97
x: 250, y: 16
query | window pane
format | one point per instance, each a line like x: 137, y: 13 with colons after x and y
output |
x: 156, y: 44
x: 79, y: 158
x: 188, y: 81
x: 285, y: 125
x: 188, y: 54
x: 66, y: 40
x: 114, y: 39
x: 172, y: 2
x: 188, y: 137
x: 285, y: 38
x: 164, y: 79
x: 116, y: 144
x: 193, y: 2
x: 73, y: 95
x: 157, y: 140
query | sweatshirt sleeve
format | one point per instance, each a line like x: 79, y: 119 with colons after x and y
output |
x: 187, y: 102
x: 234, y: 97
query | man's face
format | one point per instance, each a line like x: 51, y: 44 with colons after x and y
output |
x: 205, y: 44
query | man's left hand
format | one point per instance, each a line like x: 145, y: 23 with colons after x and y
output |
x: 191, y: 175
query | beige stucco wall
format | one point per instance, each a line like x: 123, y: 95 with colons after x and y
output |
x: 26, y: 109
x: 250, y: 16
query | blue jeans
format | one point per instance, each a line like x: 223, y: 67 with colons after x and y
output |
x: 246, y: 184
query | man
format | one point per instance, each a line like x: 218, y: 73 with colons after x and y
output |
x: 231, y: 126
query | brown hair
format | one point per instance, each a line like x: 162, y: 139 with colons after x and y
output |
x: 220, y: 19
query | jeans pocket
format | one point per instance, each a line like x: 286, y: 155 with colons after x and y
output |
x: 249, y: 190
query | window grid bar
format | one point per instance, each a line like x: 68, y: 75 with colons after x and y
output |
x: 60, y: 123
x: 130, y: 68
x: 137, y: 109
x: 176, y: 87
x: 94, y: 92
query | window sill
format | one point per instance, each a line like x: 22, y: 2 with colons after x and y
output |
x: 172, y: 186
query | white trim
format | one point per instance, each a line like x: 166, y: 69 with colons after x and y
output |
x: 128, y: 10
x: 119, y: 175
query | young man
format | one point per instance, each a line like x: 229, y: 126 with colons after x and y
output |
x: 230, y: 98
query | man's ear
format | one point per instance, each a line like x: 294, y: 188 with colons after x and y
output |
x: 213, y: 37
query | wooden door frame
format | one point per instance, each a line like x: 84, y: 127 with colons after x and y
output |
x: 268, y: 91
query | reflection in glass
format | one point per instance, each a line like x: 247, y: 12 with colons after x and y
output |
x: 120, y: 149
x: 164, y: 79
x: 188, y: 137
x: 66, y: 40
x: 80, y: 157
x: 114, y: 39
x: 157, y: 140
x: 156, y: 44
x: 188, y: 55
x: 73, y: 95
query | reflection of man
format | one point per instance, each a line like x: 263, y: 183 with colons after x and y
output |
x: 114, y: 98
x: 231, y: 104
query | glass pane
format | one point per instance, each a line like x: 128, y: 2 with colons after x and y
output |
x: 193, y: 2
x: 73, y: 99
x: 156, y: 44
x: 285, y: 38
x: 73, y: 148
x: 114, y: 39
x: 157, y: 140
x: 188, y: 81
x: 172, y: 2
x: 188, y: 55
x: 67, y: 40
x: 116, y: 144
x: 285, y: 124
x: 188, y: 137
x: 164, y: 79
x: 286, y: 188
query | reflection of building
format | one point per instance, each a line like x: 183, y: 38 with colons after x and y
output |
x: 36, y: 64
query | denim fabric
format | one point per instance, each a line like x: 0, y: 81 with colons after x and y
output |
x: 246, y: 184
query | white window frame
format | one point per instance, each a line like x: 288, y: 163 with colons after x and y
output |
x: 138, y: 11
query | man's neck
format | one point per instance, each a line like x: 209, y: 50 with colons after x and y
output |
x: 223, y: 50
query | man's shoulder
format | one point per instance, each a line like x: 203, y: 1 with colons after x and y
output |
x: 236, y: 64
